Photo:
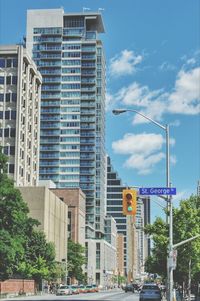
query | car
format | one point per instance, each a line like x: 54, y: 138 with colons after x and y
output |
x: 75, y: 289
x: 81, y: 288
x: 129, y: 288
x: 64, y: 290
x: 95, y: 287
x: 89, y: 289
x: 150, y: 292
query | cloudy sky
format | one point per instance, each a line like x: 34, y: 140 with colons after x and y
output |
x: 152, y: 50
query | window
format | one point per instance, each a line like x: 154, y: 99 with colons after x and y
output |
x: 15, y: 62
x: 8, y: 97
x: 14, y: 97
x: 2, y: 63
x: 13, y: 114
x: 11, y: 168
x: 8, y: 80
x: 8, y: 63
x: 1, y: 80
x: 1, y: 96
x: 14, y: 80
x: 12, y: 150
x: 12, y: 132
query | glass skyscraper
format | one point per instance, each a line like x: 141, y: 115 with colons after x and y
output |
x: 70, y: 57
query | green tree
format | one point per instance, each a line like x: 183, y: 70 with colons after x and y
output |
x: 186, y: 224
x: 23, y: 249
x: 76, y: 259
x: 14, y: 223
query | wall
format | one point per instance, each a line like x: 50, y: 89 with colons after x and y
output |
x: 51, y: 212
x: 16, y: 285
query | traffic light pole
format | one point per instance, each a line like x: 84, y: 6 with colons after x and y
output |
x: 168, y: 199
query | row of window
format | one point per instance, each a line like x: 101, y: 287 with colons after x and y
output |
x: 8, y: 97
x: 71, y: 70
x: 11, y: 115
x: 70, y: 139
x: 8, y: 132
x: 71, y: 86
x: 74, y: 78
x: 8, y: 63
x: 9, y: 150
x: 8, y: 80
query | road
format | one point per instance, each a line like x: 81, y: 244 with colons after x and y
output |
x: 115, y: 295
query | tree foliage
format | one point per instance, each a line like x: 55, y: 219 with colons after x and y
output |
x: 186, y: 224
x: 76, y: 259
x: 23, y: 250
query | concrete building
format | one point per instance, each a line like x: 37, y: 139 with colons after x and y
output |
x: 75, y: 200
x: 69, y: 54
x: 101, y: 256
x: 143, y: 242
x: 111, y: 231
x: 114, y: 204
x: 51, y: 212
x: 120, y: 254
x: 20, y: 92
x: 132, y: 248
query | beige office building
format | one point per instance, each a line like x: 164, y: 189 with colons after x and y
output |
x: 20, y: 93
x: 132, y: 248
x: 51, y: 212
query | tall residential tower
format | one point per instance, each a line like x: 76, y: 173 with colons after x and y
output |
x: 69, y: 55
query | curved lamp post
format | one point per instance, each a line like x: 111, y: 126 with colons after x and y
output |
x: 168, y: 199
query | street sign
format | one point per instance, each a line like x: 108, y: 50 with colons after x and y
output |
x: 157, y: 191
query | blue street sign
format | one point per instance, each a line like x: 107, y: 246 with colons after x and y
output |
x: 157, y: 191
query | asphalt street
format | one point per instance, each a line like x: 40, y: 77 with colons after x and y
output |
x: 118, y: 295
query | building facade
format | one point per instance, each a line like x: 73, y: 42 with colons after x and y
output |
x: 75, y: 200
x: 143, y: 241
x: 51, y: 212
x: 120, y: 254
x: 69, y: 55
x: 20, y: 92
x: 114, y: 204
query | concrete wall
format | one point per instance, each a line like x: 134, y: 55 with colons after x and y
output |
x: 51, y: 212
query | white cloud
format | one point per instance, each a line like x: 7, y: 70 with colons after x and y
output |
x: 124, y: 63
x: 165, y: 66
x: 144, y: 165
x: 185, y: 99
x: 143, y: 150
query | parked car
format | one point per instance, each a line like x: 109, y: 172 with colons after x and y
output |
x: 64, y: 290
x: 82, y: 288
x: 75, y: 289
x: 129, y: 288
x: 150, y: 291
x: 89, y: 289
x: 95, y: 287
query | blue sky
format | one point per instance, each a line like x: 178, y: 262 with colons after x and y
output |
x: 152, y: 52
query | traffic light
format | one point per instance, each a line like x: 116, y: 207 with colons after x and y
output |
x: 129, y: 201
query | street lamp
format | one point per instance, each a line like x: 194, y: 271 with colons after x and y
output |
x: 168, y: 199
